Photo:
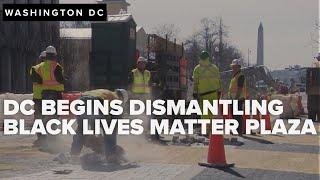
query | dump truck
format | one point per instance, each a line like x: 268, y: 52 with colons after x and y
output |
x: 168, y: 67
x: 113, y: 47
x: 113, y: 56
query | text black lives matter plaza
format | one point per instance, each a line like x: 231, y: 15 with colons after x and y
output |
x: 217, y: 108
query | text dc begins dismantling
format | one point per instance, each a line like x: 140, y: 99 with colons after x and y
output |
x: 148, y: 107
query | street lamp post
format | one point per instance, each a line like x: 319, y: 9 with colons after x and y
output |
x: 249, y: 51
x: 216, y: 49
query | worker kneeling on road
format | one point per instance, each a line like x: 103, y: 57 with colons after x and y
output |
x: 238, y: 90
x: 48, y: 83
x: 207, y: 82
x: 110, y: 141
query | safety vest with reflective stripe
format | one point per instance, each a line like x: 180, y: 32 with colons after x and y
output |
x: 233, y: 88
x: 141, y: 81
x: 46, y: 72
x: 206, y: 78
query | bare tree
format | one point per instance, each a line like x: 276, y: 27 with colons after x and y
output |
x: 210, y: 37
x: 316, y: 38
x: 169, y: 30
x: 194, y: 47
x: 208, y: 32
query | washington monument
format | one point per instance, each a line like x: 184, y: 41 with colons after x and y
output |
x: 260, y: 60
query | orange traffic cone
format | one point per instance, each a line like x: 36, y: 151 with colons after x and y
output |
x: 216, y: 153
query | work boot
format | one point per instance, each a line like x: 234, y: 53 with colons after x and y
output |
x: 36, y: 143
x: 117, y: 155
x: 41, y: 142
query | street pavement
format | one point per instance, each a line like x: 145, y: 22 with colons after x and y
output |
x: 260, y: 157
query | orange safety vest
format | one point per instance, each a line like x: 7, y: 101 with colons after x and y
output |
x: 46, y: 72
x: 233, y: 88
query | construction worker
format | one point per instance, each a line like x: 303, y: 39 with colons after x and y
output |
x: 317, y: 63
x: 139, y: 80
x: 238, y: 89
x: 47, y: 79
x: 271, y: 92
x: 110, y: 141
x: 293, y: 87
x: 140, y: 85
x: 207, y: 82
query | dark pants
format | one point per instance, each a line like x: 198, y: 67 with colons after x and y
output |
x: 110, y: 141
x: 38, y: 115
x: 313, y: 107
x: 46, y: 95
x: 239, y: 118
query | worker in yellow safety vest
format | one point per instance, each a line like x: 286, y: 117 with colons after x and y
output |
x: 47, y: 78
x: 317, y: 63
x: 238, y: 89
x: 207, y: 81
x: 110, y: 147
x: 140, y: 86
x: 139, y: 79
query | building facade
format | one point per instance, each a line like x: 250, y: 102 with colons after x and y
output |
x: 115, y: 6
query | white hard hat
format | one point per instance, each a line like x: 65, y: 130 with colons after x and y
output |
x: 236, y: 62
x: 51, y: 50
x: 123, y: 93
x: 43, y: 54
x: 141, y: 59
x: 318, y: 57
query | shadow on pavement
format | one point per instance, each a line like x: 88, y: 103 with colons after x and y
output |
x: 209, y: 172
x: 262, y: 141
x: 231, y: 171
x: 96, y: 162
x: 108, y: 167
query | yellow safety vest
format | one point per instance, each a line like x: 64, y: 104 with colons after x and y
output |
x: 206, y: 78
x: 101, y: 93
x: 46, y: 72
x: 141, y: 81
x: 233, y: 87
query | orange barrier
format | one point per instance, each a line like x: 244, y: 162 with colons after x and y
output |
x: 267, y: 116
x: 267, y: 121
x: 244, y: 119
x: 229, y: 116
x: 216, y: 153
x: 300, y: 107
x: 257, y: 117
x: 71, y: 96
